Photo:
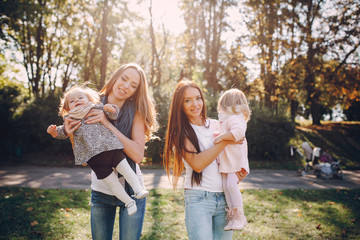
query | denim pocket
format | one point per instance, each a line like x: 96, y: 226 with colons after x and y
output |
x: 194, y: 196
x: 99, y: 199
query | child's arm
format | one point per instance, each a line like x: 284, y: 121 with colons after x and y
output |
x: 57, y: 131
x: 237, y: 125
x: 224, y: 137
x: 52, y: 130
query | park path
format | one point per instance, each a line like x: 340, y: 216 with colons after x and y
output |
x: 79, y: 178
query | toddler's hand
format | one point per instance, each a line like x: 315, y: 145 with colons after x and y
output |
x: 109, y: 108
x: 52, y: 130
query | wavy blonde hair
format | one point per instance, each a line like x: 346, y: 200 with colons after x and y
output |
x: 92, y: 95
x: 234, y: 101
x: 143, y: 102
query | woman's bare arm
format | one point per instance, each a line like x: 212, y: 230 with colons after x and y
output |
x: 199, y: 161
x: 134, y: 147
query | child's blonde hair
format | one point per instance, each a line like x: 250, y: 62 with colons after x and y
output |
x: 234, y: 101
x: 92, y: 95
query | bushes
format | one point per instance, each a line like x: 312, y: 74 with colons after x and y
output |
x: 268, y: 136
x: 32, y: 122
x: 10, y: 100
x: 25, y: 126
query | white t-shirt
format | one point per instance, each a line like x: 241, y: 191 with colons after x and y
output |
x: 211, y: 178
x: 100, y: 186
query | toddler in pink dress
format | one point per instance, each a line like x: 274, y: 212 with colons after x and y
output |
x: 234, y: 112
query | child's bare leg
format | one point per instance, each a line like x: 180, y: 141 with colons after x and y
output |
x: 130, y: 176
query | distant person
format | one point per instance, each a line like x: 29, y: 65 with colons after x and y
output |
x: 189, y: 143
x: 127, y: 88
x: 97, y: 146
x: 325, y: 157
x: 234, y: 112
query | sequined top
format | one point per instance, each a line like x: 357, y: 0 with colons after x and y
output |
x: 92, y: 139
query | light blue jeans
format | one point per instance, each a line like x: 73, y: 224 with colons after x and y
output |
x: 205, y: 215
x: 103, y: 210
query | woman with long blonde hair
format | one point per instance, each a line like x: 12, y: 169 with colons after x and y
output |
x: 127, y: 89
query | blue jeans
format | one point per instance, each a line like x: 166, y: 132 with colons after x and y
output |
x: 205, y: 215
x: 103, y: 209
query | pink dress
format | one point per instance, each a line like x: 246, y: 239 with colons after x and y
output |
x: 234, y: 156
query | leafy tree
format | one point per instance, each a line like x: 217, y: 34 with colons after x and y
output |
x: 235, y: 73
x: 37, y: 30
x: 333, y: 31
x: 291, y: 84
x: 265, y: 28
x: 205, y: 22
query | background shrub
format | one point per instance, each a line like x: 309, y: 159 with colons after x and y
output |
x: 31, y: 124
x: 268, y: 135
x: 10, y: 100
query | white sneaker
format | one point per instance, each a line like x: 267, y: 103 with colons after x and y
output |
x: 131, y: 208
x: 141, y: 193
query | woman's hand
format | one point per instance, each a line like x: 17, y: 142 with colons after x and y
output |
x: 97, y: 116
x: 241, y: 174
x: 70, y: 127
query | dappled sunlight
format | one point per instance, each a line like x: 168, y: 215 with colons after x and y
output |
x: 79, y: 178
x: 39, y: 177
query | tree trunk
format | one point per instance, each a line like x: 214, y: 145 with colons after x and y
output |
x: 104, y: 45
x: 315, y: 113
x: 294, y: 105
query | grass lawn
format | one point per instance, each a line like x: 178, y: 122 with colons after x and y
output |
x: 272, y: 214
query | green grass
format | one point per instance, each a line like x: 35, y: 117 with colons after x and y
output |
x: 272, y: 214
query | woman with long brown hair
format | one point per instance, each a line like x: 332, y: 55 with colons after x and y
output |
x: 189, y: 144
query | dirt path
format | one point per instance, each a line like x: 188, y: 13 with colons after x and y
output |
x: 79, y: 178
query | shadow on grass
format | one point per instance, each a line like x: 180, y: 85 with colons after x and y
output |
x: 155, y: 214
x: 35, y: 213
x: 165, y: 216
x: 331, y: 214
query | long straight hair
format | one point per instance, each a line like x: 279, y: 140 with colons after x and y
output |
x: 144, y: 104
x: 178, y: 130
